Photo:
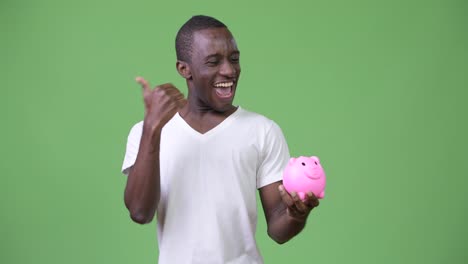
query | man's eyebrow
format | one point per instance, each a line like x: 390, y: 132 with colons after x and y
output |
x: 212, y: 55
x: 217, y: 55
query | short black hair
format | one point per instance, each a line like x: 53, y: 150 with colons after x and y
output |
x: 184, y: 38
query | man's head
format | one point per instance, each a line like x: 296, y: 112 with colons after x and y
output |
x: 184, y: 38
x: 208, y: 58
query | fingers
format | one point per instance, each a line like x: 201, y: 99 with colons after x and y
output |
x: 311, y: 200
x: 285, y: 196
x: 294, y: 202
x: 144, y: 84
x: 301, y: 207
x: 170, y: 89
x: 295, y: 207
x: 167, y: 86
x: 182, y: 102
x: 146, y: 87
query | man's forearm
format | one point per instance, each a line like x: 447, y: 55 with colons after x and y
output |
x: 143, y: 184
x: 283, y: 227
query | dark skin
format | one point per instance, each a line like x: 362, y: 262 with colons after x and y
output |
x: 214, y: 60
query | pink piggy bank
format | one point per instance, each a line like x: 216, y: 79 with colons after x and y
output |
x: 304, y: 174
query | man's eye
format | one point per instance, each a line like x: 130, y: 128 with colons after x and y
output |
x: 212, y: 62
x: 235, y: 59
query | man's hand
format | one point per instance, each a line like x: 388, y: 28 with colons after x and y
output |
x: 161, y: 103
x: 296, y: 208
x: 286, y: 214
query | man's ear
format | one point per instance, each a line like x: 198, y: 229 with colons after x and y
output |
x: 184, y: 69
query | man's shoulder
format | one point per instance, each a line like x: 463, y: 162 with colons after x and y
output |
x: 136, y: 129
x: 254, y: 117
x: 138, y: 125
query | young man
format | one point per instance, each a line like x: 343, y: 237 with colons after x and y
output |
x: 197, y: 162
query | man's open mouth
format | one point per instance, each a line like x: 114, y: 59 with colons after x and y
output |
x: 224, y: 89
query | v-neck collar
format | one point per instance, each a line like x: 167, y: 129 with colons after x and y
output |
x: 228, y: 120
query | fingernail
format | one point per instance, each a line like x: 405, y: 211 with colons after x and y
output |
x: 281, y: 188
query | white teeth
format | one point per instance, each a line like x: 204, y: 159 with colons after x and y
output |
x: 225, y: 85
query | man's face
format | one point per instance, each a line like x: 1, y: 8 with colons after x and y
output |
x: 215, y: 69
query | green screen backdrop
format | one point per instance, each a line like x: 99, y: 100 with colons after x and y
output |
x: 376, y: 89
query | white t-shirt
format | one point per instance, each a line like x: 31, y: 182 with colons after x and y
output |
x: 207, y: 211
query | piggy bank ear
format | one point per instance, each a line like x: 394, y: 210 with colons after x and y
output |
x: 291, y: 161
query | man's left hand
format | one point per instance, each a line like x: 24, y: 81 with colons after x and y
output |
x: 296, y: 208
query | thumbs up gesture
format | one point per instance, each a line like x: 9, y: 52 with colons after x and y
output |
x: 161, y: 103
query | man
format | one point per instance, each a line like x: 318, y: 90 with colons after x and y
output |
x: 197, y: 162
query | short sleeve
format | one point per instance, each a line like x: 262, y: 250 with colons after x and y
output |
x: 274, y: 158
x: 133, y: 144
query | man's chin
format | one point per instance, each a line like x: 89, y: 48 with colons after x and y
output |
x: 225, y: 108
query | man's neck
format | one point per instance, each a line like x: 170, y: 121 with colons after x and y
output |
x: 203, y: 119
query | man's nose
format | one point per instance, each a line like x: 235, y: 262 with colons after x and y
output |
x: 227, y: 69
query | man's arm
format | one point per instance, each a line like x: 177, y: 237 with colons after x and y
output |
x: 286, y: 214
x: 142, y: 191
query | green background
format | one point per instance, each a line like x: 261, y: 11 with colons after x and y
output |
x: 377, y: 89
